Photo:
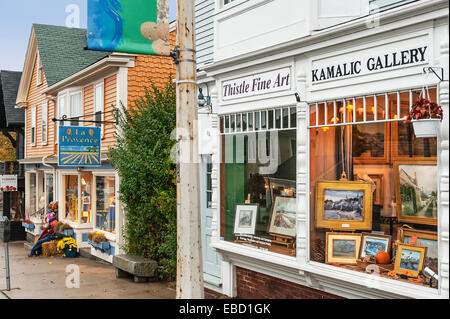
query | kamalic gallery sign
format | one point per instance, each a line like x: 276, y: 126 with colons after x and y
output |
x: 348, y: 65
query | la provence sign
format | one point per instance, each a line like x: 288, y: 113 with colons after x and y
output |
x: 370, y: 64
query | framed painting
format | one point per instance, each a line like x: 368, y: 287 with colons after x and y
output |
x: 245, y: 219
x: 423, y: 238
x: 378, y: 195
x: 371, y: 244
x: 342, y: 248
x: 344, y: 205
x: 416, y: 185
x: 409, y: 260
x: 283, y: 220
x: 370, y: 143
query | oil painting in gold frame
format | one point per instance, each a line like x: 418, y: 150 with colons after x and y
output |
x: 342, y: 248
x: 416, y: 190
x: 409, y: 260
x: 344, y: 205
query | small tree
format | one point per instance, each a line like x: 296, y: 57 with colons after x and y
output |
x: 148, y: 177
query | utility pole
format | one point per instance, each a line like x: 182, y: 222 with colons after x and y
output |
x: 189, y: 258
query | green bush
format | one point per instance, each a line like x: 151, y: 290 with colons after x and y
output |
x: 148, y: 177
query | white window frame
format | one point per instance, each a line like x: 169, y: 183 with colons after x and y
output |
x: 60, y: 112
x: 80, y: 114
x: 109, y: 236
x: 45, y: 187
x: 44, y: 123
x: 39, y: 73
x: 100, y: 108
x: 33, y: 126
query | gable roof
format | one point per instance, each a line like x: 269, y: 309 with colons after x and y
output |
x: 62, y: 51
x: 9, y: 85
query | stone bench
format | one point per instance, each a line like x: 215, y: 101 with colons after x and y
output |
x: 142, y: 269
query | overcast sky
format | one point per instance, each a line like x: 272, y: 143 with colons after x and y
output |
x: 17, y: 16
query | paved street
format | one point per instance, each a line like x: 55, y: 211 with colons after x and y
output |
x: 44, y: 278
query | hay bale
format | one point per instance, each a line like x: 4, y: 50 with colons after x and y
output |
x: 49, y: 248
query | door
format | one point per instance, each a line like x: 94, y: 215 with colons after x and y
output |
x: 212, y: 273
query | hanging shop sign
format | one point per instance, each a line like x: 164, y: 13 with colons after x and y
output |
x: 8, y: 183
x: 79, y: 146
x: 130, y: 26
x: 257, y: 84
x: 365, y: 63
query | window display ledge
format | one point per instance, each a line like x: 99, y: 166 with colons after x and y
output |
x: 108, y: 235
x: 75, y: 225
x: 328, y: 275
x: 331, y: 279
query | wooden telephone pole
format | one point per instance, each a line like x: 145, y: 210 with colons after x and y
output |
x: 189, y: 258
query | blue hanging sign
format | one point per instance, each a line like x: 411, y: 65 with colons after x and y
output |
x: 79, y: 146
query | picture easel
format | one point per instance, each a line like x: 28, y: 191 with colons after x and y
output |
x: 282, y: 240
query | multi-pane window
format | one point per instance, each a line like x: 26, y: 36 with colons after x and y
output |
x: 99, y: 105
x: 49, y: 189
x: 105, y: 187
x: 75, y: 108
x: 373, y: 186
x: 40, y: 72
x: 208, y: 185
x: 61, y: 111
x: 44, y: 123
x: 70, y: 207
x: 32, y: 192
x: 259, y: 178
x: 33, y: 126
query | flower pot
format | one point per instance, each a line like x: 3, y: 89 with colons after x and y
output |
x: 426, y: 127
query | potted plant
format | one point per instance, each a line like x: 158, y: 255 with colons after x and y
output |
x: 425, y: 116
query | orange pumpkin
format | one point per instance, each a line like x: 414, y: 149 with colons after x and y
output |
x: 382, y: 257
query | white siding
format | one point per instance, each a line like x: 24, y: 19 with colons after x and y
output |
x: 204, y: 24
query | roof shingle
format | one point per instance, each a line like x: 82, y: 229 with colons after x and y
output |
x: 9, y: 85
x: 62, y: 51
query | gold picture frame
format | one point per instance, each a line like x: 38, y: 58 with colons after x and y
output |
x: 422, y: 196
x: 409, y: 260
x: 335, y: 211
x: 342, y: 248
x: 425, y: 238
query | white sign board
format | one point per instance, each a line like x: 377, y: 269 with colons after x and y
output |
x: 257, y: 84
x: 401, y: 54
x: 8, y: 183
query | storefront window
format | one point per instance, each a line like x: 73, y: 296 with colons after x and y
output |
x: 105, y: 203
x: 71, y: 197
x: 373, y: 190
x: 49, y: 188
x: 86, y: 190
x: 259, y: 176
x: 32, y: 192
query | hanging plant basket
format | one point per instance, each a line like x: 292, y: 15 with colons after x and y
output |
x: 425, y: 116
x: 426, y: 127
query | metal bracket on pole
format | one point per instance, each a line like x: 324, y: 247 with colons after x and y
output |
x: 175, y: 54
x: 430, y: 69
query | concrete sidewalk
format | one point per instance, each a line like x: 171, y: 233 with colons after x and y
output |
x: 45, y: 278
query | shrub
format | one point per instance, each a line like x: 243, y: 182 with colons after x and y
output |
x: 148, y: 177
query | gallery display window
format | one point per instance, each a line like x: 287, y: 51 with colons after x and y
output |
x: 32, y: 193
x: 373, y: 187
x: 258, y: 179
x: 77, y: 197
x: 49, y: 189
x: 71, y: 196
x: 105, y: 203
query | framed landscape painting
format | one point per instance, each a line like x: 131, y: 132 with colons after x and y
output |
x: 409, y: 260
x: 344, y: 205
x: 424, y: 238
x: 416, y: 190
x: 371, y: 244
x: 245, y: 219
x: 283, y: 221
x: 342, y: 248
